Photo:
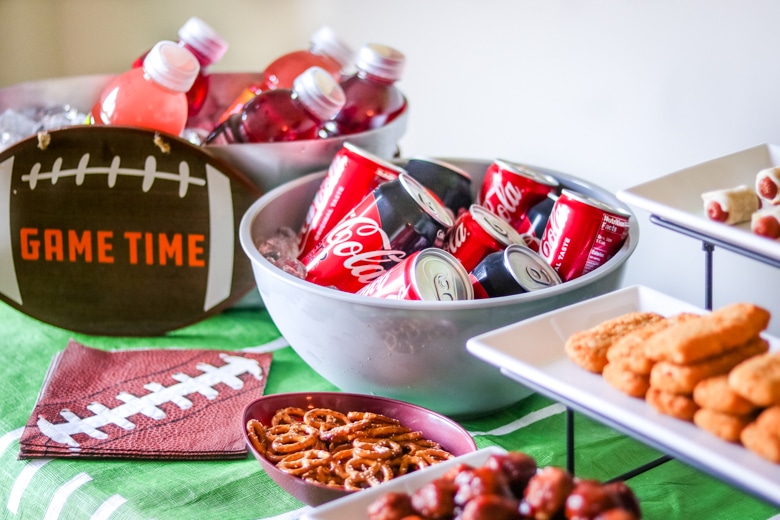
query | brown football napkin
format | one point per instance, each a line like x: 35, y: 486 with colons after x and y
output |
x: 144, y: 404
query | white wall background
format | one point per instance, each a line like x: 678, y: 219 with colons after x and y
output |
x: 614, y: 91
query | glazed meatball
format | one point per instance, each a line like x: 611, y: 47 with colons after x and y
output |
x: 588, y: 499
x: 472, y: 483
x: 391, y: 506
x: 492, y: 507
x: 518, y: 468
x: 435, y: 499
x: 546, y: 493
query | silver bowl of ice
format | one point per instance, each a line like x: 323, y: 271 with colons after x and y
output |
x: 267, y: 165
x: 413, y: 351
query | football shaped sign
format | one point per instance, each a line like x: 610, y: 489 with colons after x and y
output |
x: 120, y: 231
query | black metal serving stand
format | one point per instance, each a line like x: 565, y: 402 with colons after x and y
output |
x: 708, y: 246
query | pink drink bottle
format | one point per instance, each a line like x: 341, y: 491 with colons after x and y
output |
x: 326, y: 51
x: 372, y: 98
x: 208, y: 46
x: 152, y: 96
x: 285, y: 114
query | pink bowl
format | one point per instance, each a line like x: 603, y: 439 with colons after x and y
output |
x: 449, y: 434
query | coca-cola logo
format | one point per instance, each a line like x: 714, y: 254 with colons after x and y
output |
x: 503, y: 199
x: 348, y: 240
x: 554, y: 229
x: 456, y: 237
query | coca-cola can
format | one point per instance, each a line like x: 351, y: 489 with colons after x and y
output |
x: 532, y: 226
x: 582, y: 234
x: 509, y: 190
x: 395, y: 220
x: 430, y: 274
x: 476, y: 233
x: 451, y: 183
x: 352, y: 174
x: 515, y: 270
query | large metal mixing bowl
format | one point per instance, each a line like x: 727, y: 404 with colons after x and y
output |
x: 267, y: 165
x: 408, y: 350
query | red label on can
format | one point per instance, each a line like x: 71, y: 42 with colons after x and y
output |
x: 477, y: 233
x: 527, y: 234
x: 355, y: 252
x: 479, y: 292
x: 396, y: 219
x: 353, y: 173
x: 397, y: 283
x: 582, y: 234
x: 510, y: 190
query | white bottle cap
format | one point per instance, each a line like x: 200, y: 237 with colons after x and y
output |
x: 381, y: 61
x: 319, y: 92
x: 172, y: 66
x: 326, y: 41
x: 203, y: 38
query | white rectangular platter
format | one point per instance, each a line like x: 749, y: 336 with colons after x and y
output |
x: 532, y: 353
x: 676, y: 197
x: 355, y: 506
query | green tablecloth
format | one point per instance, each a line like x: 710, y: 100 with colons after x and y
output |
x: 57, y: 488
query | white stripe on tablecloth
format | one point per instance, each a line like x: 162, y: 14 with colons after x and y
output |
x: 63, y: 493
x: 290, y: 515
x: 108, y: 507
x: 527, y: 420
x: 276, y: 344
x: 10, y: 437
x: 22, y: 481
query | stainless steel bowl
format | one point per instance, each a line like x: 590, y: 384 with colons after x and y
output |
x: 408, y: 350
x: 267, y: 165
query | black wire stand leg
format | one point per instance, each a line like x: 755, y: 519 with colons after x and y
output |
x: 570, y: 449
x: 708, y: 249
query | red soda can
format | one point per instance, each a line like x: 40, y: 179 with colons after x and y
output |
x: 582, y: 234
x: 430, y: 274
x: 353, y: 173
x: 515, y: 270
x: 476, y: 233
x: 450, y: 183
x: 395, y: 220
x: 532, y: 226
x: 509, y: 190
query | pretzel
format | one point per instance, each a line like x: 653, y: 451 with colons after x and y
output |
x: 295, y: 440
x: 371, y: 417
x: 380, y: 449
x: 289, y: 415
x: 257, y: 435
x: 300, y: 462
x: 364, y: 473
x: 324, y: 419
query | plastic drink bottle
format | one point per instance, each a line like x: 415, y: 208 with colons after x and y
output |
x: 372, y: 98
x: 208, y: 46
x: 285, y: 114
x: 326, y: 51
x: 152, y: 96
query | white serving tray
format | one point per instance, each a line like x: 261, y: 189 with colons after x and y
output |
x: 676, y: 197
x: 532, y: 353
x: 355, y: 506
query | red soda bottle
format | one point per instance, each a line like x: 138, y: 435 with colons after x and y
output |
x: 285, y: 114
x: 208, y: 46
x: 372, y: 97
x: 326, y: 50
x: 152, y: 96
